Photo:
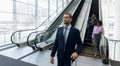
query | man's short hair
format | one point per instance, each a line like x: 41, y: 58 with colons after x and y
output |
x: 68, y: 14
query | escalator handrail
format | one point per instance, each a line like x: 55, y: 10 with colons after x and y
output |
x: 114, y: 40
x: 39, y: 32
x: 107, y: 48
x: 42, y: 33
x: 84, y: 21
x: 31, y: 34
x: 77, y: 14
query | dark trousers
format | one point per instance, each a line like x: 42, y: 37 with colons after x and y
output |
x: 97, y: 38
x: 64, y: 61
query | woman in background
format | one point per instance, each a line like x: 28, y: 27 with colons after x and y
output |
x: 96, y: 36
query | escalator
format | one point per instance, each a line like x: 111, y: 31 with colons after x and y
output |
x: 40, y: 45
x: 94, y: 10
x: 20, y: 37
x: 88, y: 49
x: 44, y: 39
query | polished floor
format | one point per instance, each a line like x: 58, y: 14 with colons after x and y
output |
x: 41, y: 58
x: 16, y: 52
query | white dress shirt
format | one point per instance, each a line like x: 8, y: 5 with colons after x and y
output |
x: 68, y: 30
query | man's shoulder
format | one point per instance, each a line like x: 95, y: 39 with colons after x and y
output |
x: 60, y: 27
x: 74, y: 28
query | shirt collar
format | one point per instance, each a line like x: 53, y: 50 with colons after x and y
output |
x: 68, y: 26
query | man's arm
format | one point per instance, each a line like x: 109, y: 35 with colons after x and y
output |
x: 55, y: 46
x: 79, y: 43
x: 79, y: 46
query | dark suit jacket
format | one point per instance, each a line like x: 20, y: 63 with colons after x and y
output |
x: 69, y: 48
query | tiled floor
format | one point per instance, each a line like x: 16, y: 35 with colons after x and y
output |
x: 88, y: 61
x: 16, y: 52
x: 42, y: 59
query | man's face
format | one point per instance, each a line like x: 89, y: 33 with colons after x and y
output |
x: 67, y: 19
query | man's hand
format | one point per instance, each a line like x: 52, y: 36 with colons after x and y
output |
x: 52, y: 60
x: 74, y: 55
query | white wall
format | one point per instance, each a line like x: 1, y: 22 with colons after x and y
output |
x: 111, y: 23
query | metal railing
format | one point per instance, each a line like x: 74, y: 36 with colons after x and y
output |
x: 39, y: 36
x: 45, y: 37
x: 115, y: 42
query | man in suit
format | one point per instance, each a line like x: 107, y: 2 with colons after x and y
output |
x: 67, y: 38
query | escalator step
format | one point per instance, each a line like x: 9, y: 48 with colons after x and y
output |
x: 89, y: 51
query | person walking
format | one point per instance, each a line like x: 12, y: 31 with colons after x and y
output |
x: 67, y: 38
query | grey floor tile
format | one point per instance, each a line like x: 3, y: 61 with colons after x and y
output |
x: 40, y: 59
x: 16, y: 52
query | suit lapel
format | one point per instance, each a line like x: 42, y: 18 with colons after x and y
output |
x: 62, y: 33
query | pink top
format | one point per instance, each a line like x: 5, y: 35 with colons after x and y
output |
x: 97, y: 30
